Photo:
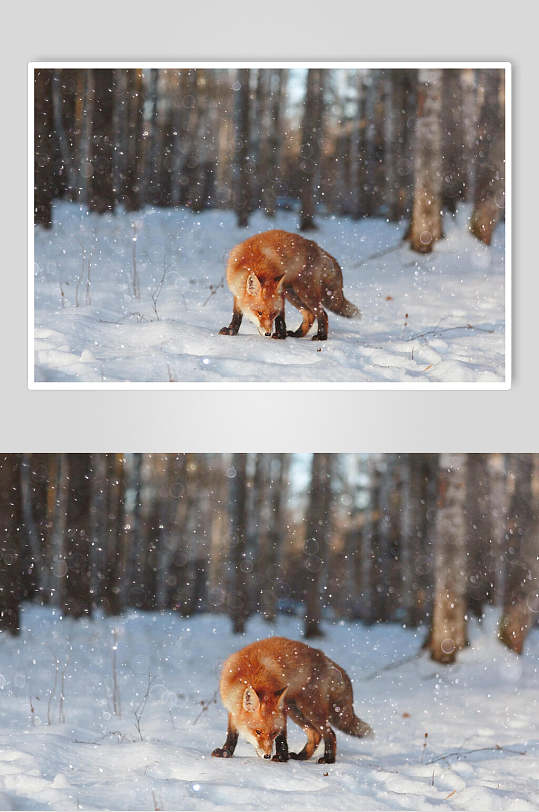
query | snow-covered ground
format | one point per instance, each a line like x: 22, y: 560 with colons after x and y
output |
x: 434, y: 318
x: 96, y: 758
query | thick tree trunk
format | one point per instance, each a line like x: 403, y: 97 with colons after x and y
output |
x: 415, y: 563
x: 448, y: 632
x: 76, y: 596
x: 311, y: 140
x: 238, y: 599
x: 489, y: 193
x: 317, y: 527
x: 101, y: 196
x: 242, y: 196
x: 481, y: 556
x: 362, y: 199
x: 374, y: 538
x: 426, y: 224
x: 11, y: 545
x: 454, y: 170
x: 43, y: 148
x: 522, y: 569
x: 276, y: 534
x: 151, y: 186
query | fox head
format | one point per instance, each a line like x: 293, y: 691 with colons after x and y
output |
x: 263, y: 302
x: 261, y: 719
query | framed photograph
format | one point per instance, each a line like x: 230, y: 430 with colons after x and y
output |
x: 273, y: 225
x: 213, y: 631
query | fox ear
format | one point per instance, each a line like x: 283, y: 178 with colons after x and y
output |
x: 280, y: 284
x: 251, y: 702
x: 253, y: 284
x: 281, y: 695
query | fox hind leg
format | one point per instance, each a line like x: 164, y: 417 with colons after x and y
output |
x: 306, y: 314
x: 330, y: 746
x: 313, y: 734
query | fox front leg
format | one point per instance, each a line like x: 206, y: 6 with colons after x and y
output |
x: 280, y: 326
x: 227, y: 750
x: 281, y: 748
x: 234, y: 326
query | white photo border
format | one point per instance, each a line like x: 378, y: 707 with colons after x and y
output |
x: 255, y: 385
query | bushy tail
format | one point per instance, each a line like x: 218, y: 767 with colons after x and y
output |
x: 348, y: 722
x: 333, y: 298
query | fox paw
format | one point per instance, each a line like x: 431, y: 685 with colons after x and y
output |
x: 220, y: 752
x: 278, y: 757
x: 297, y: 756
x: 225, y: 331
x: 326, y: 760
x: 279, y: 335
x: 293, y: 334
x: 319, y: 338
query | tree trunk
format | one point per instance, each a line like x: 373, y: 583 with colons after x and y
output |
x: 489, y: 193
x: 275, y: 535
x: 522, y: 571
x: 481, y: 556
x: 151, y: 186
x: 311, y: 140
x: 10, y: 545
x: 271, y: 161
x: 115, y: 551
x: 238, y: 599
x: 415, y: 563
x: 242, y: 196
x: 101, y: 196
x: 132, y: 189
x: 317, y: 528
x: 76, y: 597
x: 454, y: 170
x: 448, y: 632
x: 426, y: 224
x: 43, y: 148
x: 377, y: 585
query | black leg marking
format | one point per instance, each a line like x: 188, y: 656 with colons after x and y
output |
x: 330, y: 747
x: 227, y: 750
x: 280, y: 327
x: 234, y: 326
x: 281, y: 748
x: 322, y: 333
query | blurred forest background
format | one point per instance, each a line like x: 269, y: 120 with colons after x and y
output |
x: 419, y: 539
x: 399, y: 144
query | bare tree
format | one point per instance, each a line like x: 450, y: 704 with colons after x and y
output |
x: 272, y: 146
x: 489, y: 194
x: 132, y: 188
x: 238, y: 598
x: 481, y: 555
x: 448, y: 631
x: 311, y: 144
x: 521, y: 598
x: 115, y: 551
x: 317, y: 527
x: 100, y: 187
x: 454, y: 170
x: 242, y: 196
x: 76, y: 597
x: 43, y: 155
x: 10, y: 545
x: 426, y: 224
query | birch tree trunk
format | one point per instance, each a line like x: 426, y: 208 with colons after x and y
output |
x: 481, y: 556
x: 489, y: 194
x: 426, y: 224
x: 448, y: 632
x: 521, y: 599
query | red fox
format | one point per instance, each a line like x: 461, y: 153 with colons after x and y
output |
x: 267, y: 681
x: 267, y: 268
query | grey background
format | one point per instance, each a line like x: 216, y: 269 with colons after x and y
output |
x: 268, y: 420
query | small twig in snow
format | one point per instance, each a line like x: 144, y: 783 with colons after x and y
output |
x: 461, y: 753
x: 438, y: 330
x: 205, y: 705
x: 139, y: 711
x: 214, y: 289
x: 156, y: 293
x: 377, y: 255
x: 391, y: 666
